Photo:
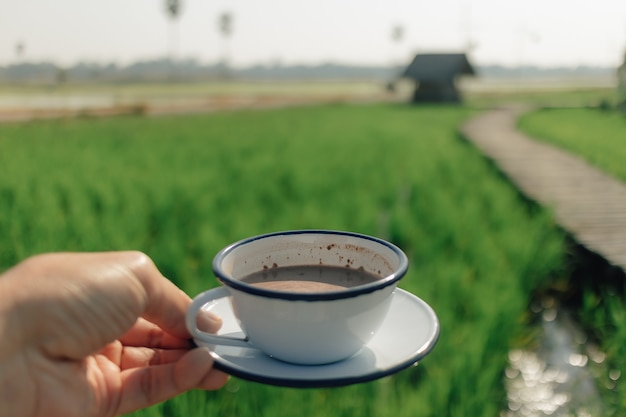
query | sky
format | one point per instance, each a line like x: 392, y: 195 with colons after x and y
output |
x: 544, y: 33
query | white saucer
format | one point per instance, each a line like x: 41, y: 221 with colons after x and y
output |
x: 408, y: 333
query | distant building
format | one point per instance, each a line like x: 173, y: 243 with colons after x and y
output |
x: 435, y: 76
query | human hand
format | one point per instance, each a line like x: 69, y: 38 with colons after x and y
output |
x: 95, y: 334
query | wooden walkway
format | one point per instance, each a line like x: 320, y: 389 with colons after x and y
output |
x: 587, y: 203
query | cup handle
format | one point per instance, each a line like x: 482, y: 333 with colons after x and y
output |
x: 192, y: 313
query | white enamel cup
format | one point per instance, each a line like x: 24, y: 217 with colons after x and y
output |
x: 303, y: 328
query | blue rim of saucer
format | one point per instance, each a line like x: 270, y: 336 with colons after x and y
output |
x: 323, y: 383
x: 315, y: 296
x: 302, y: 383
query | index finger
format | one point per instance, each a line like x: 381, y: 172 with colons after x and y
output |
x: 144, y: 333
x: 164, y: 303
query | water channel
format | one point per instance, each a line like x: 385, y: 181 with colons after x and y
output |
x: 558, y: 376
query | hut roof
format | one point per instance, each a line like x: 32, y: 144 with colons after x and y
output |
x: 438, y: 67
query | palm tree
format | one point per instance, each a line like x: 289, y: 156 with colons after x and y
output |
x: 397, y: 33
x: 172, y: 8
x: 621, y: 84
x: 225, y: 25
x: 19, y: 50
x: 397, y: 36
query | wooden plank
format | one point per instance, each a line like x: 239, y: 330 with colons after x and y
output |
x: 588, y: 203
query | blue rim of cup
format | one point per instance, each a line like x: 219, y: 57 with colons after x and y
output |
x: 315, y: 296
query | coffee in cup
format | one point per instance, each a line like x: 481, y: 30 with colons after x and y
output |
x: 309, y: 278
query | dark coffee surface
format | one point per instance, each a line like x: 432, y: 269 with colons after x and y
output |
x: 309, y: 278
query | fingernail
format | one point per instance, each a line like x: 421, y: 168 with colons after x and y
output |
x: 209, y: 322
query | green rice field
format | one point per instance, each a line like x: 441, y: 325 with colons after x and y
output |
x: 597, y: 136
x: 181, y: 188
